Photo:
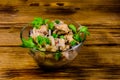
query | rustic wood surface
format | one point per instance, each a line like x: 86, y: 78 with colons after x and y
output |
x: 99, y: 58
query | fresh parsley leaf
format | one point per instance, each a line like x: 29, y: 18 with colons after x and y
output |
x: 37, y: 22
x: 51, y: 25
x: 57, y: 21
x: 73, y: 43
x: 58, y: 55
x: 55, y: 35
x: 73, y: 28
x: 84, y: 29
x: 47, y: 40
x: 28, y: 43
x: 38, y: 19
x: 40, y: 40
x: 45, y: 21
x: 62, y: 37
x: 43, y: 40
x: 77, y: 37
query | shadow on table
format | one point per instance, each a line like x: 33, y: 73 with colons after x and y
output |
x: 70, y: 72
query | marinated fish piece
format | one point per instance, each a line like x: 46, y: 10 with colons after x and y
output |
x: 62, y: 27
x: 43, y: 29
x: 52, y: 40
x: 62, y: 44
x: 69, y: 37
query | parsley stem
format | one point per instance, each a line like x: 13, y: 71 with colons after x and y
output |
x: 84, y: 37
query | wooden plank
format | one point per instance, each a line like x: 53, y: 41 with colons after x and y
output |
x: 92, y: 18
x: 15, y: 58
x: 93, y: 2
x: 13, y: 25
x: 17, y: 64
x: 39, y: 6
x: 88, y: 13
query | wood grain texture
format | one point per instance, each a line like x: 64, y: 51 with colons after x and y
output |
x: 99, y: 58
x: 92, y: 62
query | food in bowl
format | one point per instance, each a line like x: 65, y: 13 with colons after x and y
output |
x: 54, y: 39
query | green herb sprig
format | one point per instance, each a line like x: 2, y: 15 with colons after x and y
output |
x: 62, y: 37
x: 57, y: 21
x: 45, y: 21
x: 73, y: 28
x: 28, y: 43
x: 55, y: 35
x: 84, y: 29
x: 51, y: 25
x: 73, y: 43
x: 77, y: 37
x: 37, y: 22
x: 43, y: 40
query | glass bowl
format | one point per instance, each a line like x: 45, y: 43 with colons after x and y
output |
x: 46, y: 59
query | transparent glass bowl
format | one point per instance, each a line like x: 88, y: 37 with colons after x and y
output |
x: 46, y: 59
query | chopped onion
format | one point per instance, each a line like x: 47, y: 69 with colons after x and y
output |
x: 49, y: 32
x: 52, y: 40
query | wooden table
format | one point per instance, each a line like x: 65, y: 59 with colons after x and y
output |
x: 99, y: 58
